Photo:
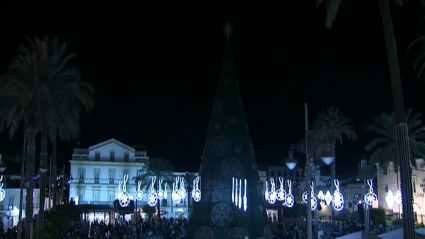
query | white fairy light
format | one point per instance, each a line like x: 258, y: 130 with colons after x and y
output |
x: 281, y: 193
x: 119, y: 193
x: 175, y: 194
x: 233, y: 190
x: 328, y: 198
x: 370, y: 198
x: 390, y: 199
x: 398, y: 197
x: 125, y: 198
x: 182, y: 190
x: 160, y: 192
x: 313, y: 199
x: 337, y: 198
x: 289, y: 197
x: 272, y: 193
x: 266, y: 193
x: 2, y: 191
x: 196, y: 192
x: 321, y: 195
x: 305, y: 196
x: 152, y: 196
x: 236, y: 193
x: 245, y: 200
x: 139, y: 192
x: 240, y: 196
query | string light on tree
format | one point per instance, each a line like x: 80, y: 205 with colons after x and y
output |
x: 337, y: 198
x: 236, y: 193
x: 290, y: 200
x: 139, y: 192
x: 240, y: 195
x: 370, y: 198
x: 233, y: 189
x: 196, y: 192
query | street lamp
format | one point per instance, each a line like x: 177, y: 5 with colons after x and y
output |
x: 291, y: 162
x: 328, y: 156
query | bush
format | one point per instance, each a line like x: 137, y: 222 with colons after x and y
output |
x: 343, y: 215
x: 378, y: 215
x: 397, y: 222
x: 56, y: 222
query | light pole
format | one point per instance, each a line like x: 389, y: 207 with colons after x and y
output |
x: 328, y: 157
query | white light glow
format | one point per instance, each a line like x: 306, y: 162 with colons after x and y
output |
x: 289, y: 197
x: 337, y: 198
x: 390, y: 199
x: 370, y: 198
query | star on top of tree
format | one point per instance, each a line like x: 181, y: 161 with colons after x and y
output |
x: 227, y: 29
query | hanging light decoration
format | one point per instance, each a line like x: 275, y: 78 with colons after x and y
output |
x: 165, y: 191
x: 119, y: 193
x: 245, y: 199
x: 304, y: 197
x: 196, y: 192
x: 125, y: 198
x: 182, y: 190
x: 313, y: 199
x: 272, y: 194
x: 2, y: 191
x: 337, y: 198
x: 398, y: 196
x: 139, y: 192
x: 160, y: 192
x: 370, y: 198
x: 321, y: 195
x: 390, y: 199
x: 152, y: 196
x: 233, y: 190
x: 281, y: 193
x: 175, y: 194
x: 240, y: 195
x: 266, y: 193
x: 290, y: 200
x: 328, y: 198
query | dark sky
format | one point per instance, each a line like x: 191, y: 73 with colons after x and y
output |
x: 155, y: 68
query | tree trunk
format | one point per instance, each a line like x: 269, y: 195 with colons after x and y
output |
x: 30, y: 179
x: 158, y: 202
x: 43, y: 165
x: 21, y: 190
x: 53, y: 182
x: 402, y: 132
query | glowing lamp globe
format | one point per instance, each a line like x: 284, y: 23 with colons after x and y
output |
x: 290, y: 161
x: 328, y: 158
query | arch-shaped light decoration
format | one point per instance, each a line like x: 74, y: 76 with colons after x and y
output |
x: 289, y: 197
x: 272, y: 193
x: 398, y: 196
x: 370, y: 198
x: 321, y: 195
x: 328, y: 198
x: 175, y: 194
x: 245, y: 199
x: 160, y: 192
x: 139, y: 192
x: 196, y: 192
x: 337, y: 198
x: 304, y: 197
x: 125, y: 198
x: 182, y: 190
x: 313, y: 199
x: 2, y: 191
x: 152, y: 196
x: 281, y: 193
x: 390, y: 199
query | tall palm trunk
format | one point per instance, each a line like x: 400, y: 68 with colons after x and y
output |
x: 54, y: 169
x: 158, y: 205
x: 21, y: 190
x: 402, y: 132
x: 30, y: 178
x: 43, y: 164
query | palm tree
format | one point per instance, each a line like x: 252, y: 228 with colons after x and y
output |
x: 158, y: 168
x: 189, y: 177
x: 383, y: 148
x: 402, y: 136
x: 42, y: 92
x: 330, y: 126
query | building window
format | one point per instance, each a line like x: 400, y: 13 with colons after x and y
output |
x: 80, y: 196
x: 81, y: 173
x: 111, y: 197
x: 414, y: 183
x: 11, y: 202
x: 96, y: 175
x: 112, y: 155
x: 97, y: 156
x: 285, y: 173
x: 111, y: 176
x: 96, y: 196
x: 126, y: 157
x: 386, y: 188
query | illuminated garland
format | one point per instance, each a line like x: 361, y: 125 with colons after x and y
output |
x: 196, y: 192
x: 281, y: 193
x: 125, y: 198
x: 272, y: 193
x: 289, y: 197
x: 160, y: 192
x: 237, y: 198
x: 337, y: 198
x: 182, y: 190
x: 2, y: 191
x: 390, y: 199
x: 370, y: 198
x: 245, y: 200
x: 139, y: 192
x: 152, y: 196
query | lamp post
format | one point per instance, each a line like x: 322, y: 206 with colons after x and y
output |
x: 328, y: 157
x: 291, y: 163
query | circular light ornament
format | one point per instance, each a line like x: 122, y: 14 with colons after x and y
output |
x: 2, y: 191
x: 305, y: 197
x: 152, y: 196
x: 281, y: 193
x: 196, y: 193
x: 182, y: 190
x: 390, y: 199
x: 125, y: 198
x: 175, y: 194
x: 321, y: 195
x: 370, y: 198
x: 290, y: 200
x: 328, y: 198
x: 337, y: 198
x: 160, y: 192
x: 313, y: 199
x: 398, y: 197
x: 272, y: 193
x: 139, y: 192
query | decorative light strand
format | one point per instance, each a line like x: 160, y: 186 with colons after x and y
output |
x: 160, y: 192
x: 139, y: 192
x: 175, y: 194
x: 196, y: 192
x: 289, y: 197
x: 272, y: 193
x: 182, y: 190
x: 153, y: 196
x: 233, y: 190
x: 125, y: 198
x: 2, y: 191
x: 245, y: 200
x: 328, y: 198
x: 337, y: 198
x: 370, y: 198
x: 313, y: 199
x: 240, y: 195
x: 266, y: 193
x: 281, y: 193
x: 321, y: 195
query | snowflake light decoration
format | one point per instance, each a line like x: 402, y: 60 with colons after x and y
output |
x: 2, y: 191
x: 272, y: 193
x: 196, y: 192
x: 289, y: 197
x: 175, y: 194
x: 160, y: 192
x: 313, y: 199
x: 139, y: 192
x: 182, y: 190
x: 370, y: 198
x: 398, y: 196
x: 321, y: 195
x: 328, y: 198
x: 125, y: 198
x: 337, y: 198
x: 390, y: 199
x: 152, y: 196
x: 304, y: 196
x: 227, y: 29
x: 281, y: 193
x: 245, y: 199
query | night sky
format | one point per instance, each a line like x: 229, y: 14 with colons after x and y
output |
x: 155, y: 68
